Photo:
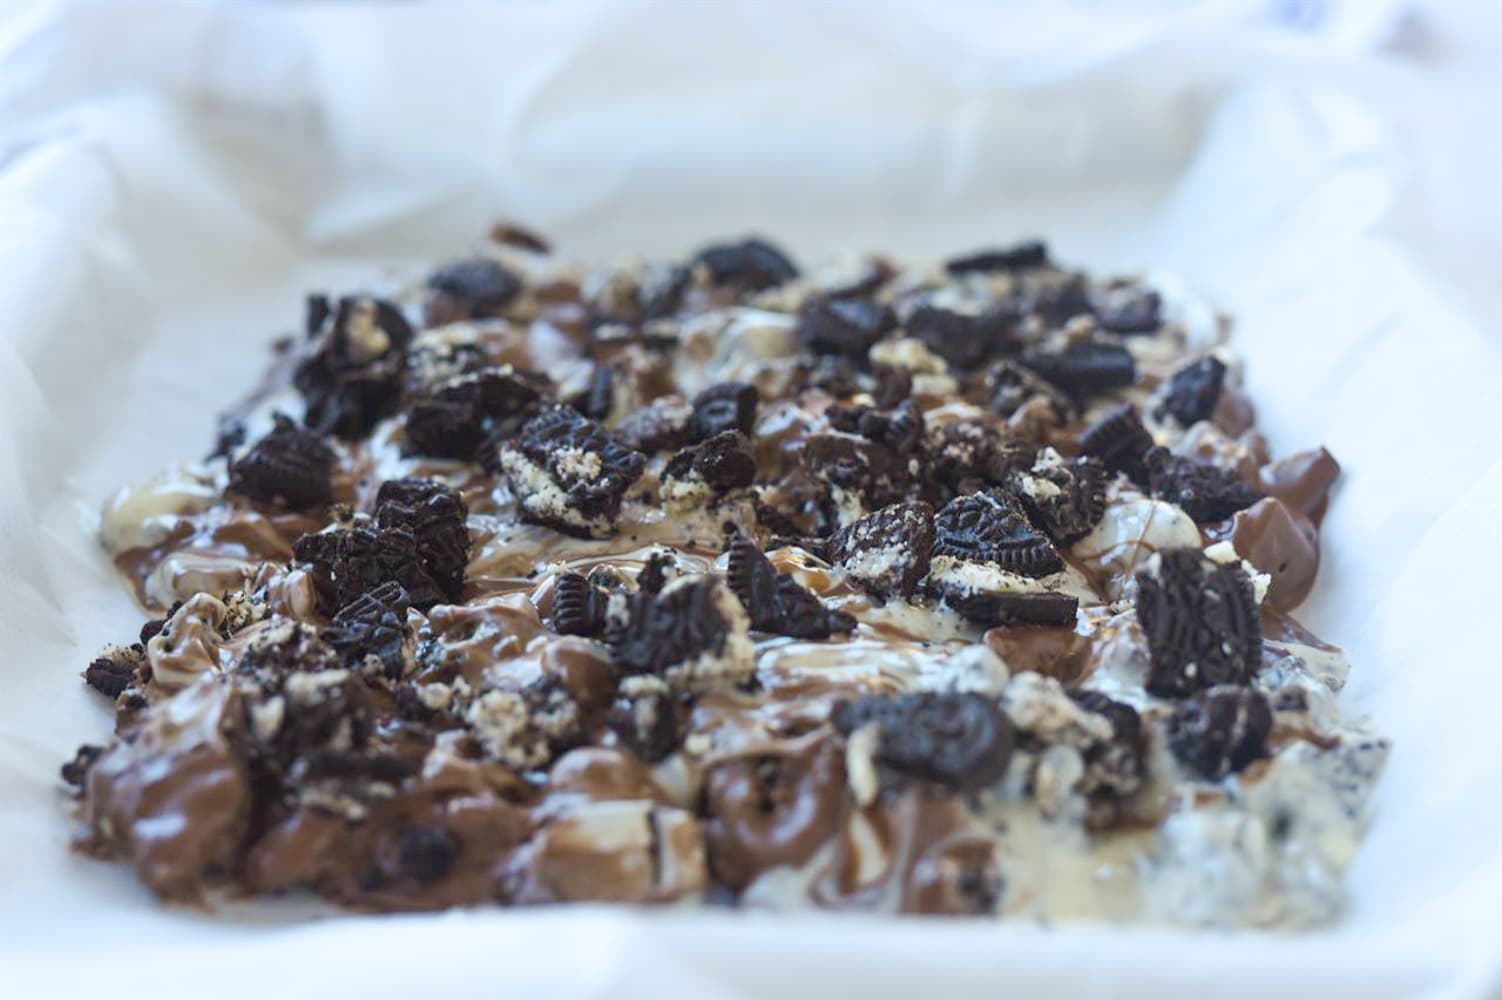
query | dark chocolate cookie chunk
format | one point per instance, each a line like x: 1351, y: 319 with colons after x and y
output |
x: 288, y: 466
x: 661, y: 425
x: 750, y: 265
x: 1057, y: 302
x: 901, y: 428
x: 1201, y: 622
x: 1120, y: 442
x: 725, y: 462
x: 964, y: 340
x: 887, y: 552
x: 664, y: 296
x: 775, y: 601
x: 114, y: 670
x: 845, y: 327
x: 962, y: 457
x: 649, y: 720
x: 1067, y: 497
x: 1116, y: 766
x: 1130, y: 309
x: 438, y: 519
x: 872, y: 471
x: 992, y: 528
x: 595, y: 399
x: 963, y: 741
x: 453, y: 418
x: 1204, y: 492
x: 1084, y: 368
x: 1022, y: 256
x: 728, y: 406
x: 569, y: 473
x: 1220, y: 731
x: 1194, y: 390
x: 477, y: 288
x: 352, y: 374
x: 579, y: 606
x: 655, y: 573
x: 1011, y: 386
x: 374, y: 625
x: 686, y: 619
x: 351, y: 562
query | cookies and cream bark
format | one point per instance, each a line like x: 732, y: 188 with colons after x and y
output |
x: 943, y: 589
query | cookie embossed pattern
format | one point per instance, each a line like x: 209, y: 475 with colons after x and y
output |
x: 962, y: 589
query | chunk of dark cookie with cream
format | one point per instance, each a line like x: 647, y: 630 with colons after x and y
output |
x: 1220, y: 731
x: 569, y: 473
x: 1204, y: 492
x: 1066, y: 497
x: 887, y: 552
x: 693, y: 634
x: 705, y: 472
x: 994, y: 567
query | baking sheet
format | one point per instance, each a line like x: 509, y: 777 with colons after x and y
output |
x: 175, y: 176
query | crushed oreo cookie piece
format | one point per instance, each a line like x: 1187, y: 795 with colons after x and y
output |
x: 569, y: 473
x: 1020, y: 257
x: 76, y: 771
x: 288, y: 466
x: 1120, y: 442
x: 437, y: 517
x: 351, y: 562
x: 887, y: 552
x: 900, y: 428
x: 844, y: 327
x: 1130, y: 310
x: 477, y: 288
x: 664, y: 297
x: 1204, y: 492
x: 661, y: 425
x: 961, y: 740
x: 775, y: 601
x: 1221, y: 730
x: 724, y: 462
x: 655, y: 574
x: 872, y: 472
x: 964, y: 340
x: 114, y: 670
x: 1012, y: 386
x: 728, y: 406
x: 962, y: 457
x: 579, y: 606
x: 992, y: 528
x: 648, y: 718
x: 1194, y: 390
x: 453, y: 418
x: 352, y: 374
x: 1066, y: 497
x: 751, y: 265
x: 1083, y: 368
x: 374, y: 625
x: 692, y: 633
x: 1201, y: 621
x: 595, y: 400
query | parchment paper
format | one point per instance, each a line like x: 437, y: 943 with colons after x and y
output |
x: 175, y: 176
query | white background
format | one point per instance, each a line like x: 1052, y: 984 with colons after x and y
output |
x: 173, y: 176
